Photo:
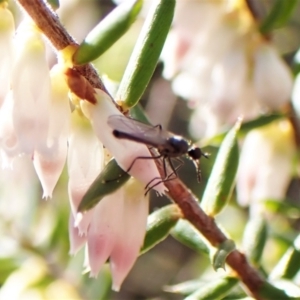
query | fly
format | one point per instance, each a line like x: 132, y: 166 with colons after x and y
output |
x: 169, y: 146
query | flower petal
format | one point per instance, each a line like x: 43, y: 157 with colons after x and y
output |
x: 31, y: 117
x: 77, y: 240
x: 103, y: 231
x: 131, y: 234
x: 50, y: 160
x: 85, y: 160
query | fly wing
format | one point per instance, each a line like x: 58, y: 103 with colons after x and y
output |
x: 138, y: 131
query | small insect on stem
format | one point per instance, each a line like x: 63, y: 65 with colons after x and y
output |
x: 169, y: 146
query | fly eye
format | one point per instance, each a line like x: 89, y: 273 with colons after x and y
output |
x: 195, y: 153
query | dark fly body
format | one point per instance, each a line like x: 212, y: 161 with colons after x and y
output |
x: 169, y: 146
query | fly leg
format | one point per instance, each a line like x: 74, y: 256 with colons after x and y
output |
x: 133, y: 162
x: 170, y: 177
x: 155, y: 178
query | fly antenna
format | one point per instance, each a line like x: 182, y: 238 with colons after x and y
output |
x: 205, y: 154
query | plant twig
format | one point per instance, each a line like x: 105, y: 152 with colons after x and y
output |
x: 192, y: 211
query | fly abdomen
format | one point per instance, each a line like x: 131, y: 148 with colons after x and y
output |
x: 118, y: 134
x: 128, y: 136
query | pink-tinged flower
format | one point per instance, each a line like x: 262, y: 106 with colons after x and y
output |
x: 186, y: 32
x: 124, y: 151
x: 50, y: 160
x: 31, y: 90
x: 265, y: 167
x: 117, y: 231
x: 85, y: 161
x: 7, y: 29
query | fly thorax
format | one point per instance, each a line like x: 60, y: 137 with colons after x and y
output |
x: 174, y: 146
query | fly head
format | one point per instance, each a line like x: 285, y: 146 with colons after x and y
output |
x: 195, y: 154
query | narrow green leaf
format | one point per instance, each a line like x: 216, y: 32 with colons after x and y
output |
x: 259, y: 122
x: 215, y: 289
x: 270, y: 292
x: 185, y: 233
x: 138, y: 113
x: 221, y: 181
x: 185, y: 288
x: 278, y: 16
x: 188, y: 287
x: 282, y: 207
x: 254, y: 239
x: 159, y: 225
x: 8, y: 265
x: 107, y: 32
x: 146, y: 52
x: 219, y: 258
x: 245, y: 127
x: 109, y: 180
x: 289, y: 264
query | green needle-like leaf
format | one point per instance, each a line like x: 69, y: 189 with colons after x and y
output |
x: 159, y: 225
x: 283, y: 207
x: 146, y: 52
x: 222, y: 179
x: 185, y: 288
x: 288, y: 265
x: 255, y: 238
x: 245, y: 127
x: 109, y: 180
x: 107, y: 32
x: 185, y: 233
x: 278, y: 16
x: 215, y: 289
x: 269, y: 291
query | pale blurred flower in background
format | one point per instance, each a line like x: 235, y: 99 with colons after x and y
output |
x: 7, y: 30
x: 266, y: 165
x: 219, y: 62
